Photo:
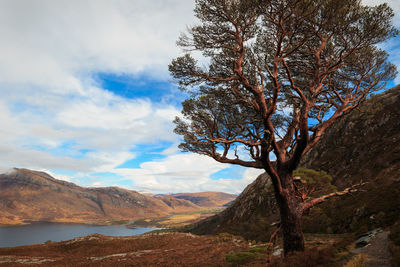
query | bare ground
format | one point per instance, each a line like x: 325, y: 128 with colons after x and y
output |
x: 377, y: 251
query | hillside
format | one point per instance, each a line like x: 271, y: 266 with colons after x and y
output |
x: 362, y: 145
x: 164, y: 249
x: 27, y: 195
x: 204, y: 199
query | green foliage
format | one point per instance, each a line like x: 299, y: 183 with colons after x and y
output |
x: 274, y: 66
x: 265, y: 56
x: 319, y: 180
x: 258, y: 250
x: 238, y: 259
x: 313, y: 176
x: 242, y: 258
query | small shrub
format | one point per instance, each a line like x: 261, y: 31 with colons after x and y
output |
x: 319, y: 180
x: 225, y: 237
x: 238, y: 259
x: 241, y: 258
x: 258, y: 250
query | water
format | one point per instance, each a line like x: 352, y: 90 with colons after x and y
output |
x: 36, y: 233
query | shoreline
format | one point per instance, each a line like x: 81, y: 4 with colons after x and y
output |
x: 130, y: 225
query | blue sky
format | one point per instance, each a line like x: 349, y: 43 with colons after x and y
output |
x: 86, y: 95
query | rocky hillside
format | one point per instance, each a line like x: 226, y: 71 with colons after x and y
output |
x: 27, y: 195
x: 363, y: 145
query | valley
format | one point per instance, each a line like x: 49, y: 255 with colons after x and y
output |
x: 204, y: 231
x: 32, y: 196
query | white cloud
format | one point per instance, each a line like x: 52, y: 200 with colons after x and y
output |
x: 177, y: 172
x: 109, y: 125
x: 59, y: 40
x: 393, y: 45
x: 185, y: 172
x: 56, y: 175
x: 52, y: 108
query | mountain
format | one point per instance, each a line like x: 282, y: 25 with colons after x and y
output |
x: 204, y: 199
x: 362, y: 145
x: 27, y: 195
x: 249, y: 215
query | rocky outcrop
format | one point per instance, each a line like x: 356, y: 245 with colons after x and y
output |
x: 364, y: 144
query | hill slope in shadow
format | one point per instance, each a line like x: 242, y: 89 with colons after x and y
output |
x: 362, y: 145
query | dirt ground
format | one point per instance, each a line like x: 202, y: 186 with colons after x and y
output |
x: 377, y: 252
x: 155, y: 249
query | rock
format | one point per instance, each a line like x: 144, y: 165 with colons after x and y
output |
x: 366, y: 238
x: 277, y: 252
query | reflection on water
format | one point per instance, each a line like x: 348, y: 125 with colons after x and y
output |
x: 41, y: 232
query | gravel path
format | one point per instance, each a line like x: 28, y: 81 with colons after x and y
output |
x: 377, y: 251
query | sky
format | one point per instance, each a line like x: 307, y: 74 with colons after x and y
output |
x: 87, y: 97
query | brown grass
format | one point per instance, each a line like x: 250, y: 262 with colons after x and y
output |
x: 357, y: 261
x: 164, y: 249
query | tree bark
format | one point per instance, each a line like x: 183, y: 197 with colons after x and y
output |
x: 291, y: 214
x: 291, y: 225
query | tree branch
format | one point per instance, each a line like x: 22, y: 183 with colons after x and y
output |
x: 253, y: 164
x: 312, y: 202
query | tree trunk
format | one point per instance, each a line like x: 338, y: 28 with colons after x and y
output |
x: 291, y: 223
x: 291, y: 215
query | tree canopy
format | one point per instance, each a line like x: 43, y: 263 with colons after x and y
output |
x: 279, y: 72
x: 275, y: 74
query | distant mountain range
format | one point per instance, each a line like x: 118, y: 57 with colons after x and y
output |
x: 27, y: 195
x: 203, y: 199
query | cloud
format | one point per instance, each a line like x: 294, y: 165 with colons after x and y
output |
x: 392, y: 46
x: 177, y: 172
x: 105, y: 126
x: 184, y: 172
x: 59, y: 42
x: 54, y: 114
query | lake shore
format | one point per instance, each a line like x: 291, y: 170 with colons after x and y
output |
x: 150, y: 249
x: 37, y: 233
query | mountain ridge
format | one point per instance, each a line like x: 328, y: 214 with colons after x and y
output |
x: 28, y: 195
